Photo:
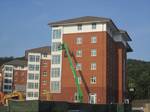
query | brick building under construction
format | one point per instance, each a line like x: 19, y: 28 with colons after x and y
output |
x: 99, y: 51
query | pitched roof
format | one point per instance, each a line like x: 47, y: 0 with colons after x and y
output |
x: 45, y: 49
x: 79, y: 20
x: 17, y: 63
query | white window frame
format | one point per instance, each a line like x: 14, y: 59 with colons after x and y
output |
x: 79, y: 80
x: 79, y: 40
x: 93, y: 52
x: 78, y: 66
x: 76, y: 97
x: 93, y: 66
x: 94, y: 26
x: 93, y: 39
x: 56, y: 33
x: 55, y: 90
x: 93, y: 80
x: 79, y: 53
x: 55, y: 72
x: 79, y: 27
x: 56, y: 59
x: 92, y: 101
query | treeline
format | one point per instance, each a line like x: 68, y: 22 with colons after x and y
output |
x: 7, y: 59
x: 139, y: 78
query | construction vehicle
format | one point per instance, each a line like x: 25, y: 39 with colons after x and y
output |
x: 79, y: 91
x: 13, y: 96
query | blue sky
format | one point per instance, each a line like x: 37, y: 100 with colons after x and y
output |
x: 23, y: 23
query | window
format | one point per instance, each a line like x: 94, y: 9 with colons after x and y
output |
x: 55, y: 86
x: 93, y: 39
x: 76, y: 97
x: 37, y: 67
x: 7, y: 87
x: 31, y: 67
x: 92, y: 98
x: 78, y: 66
x: 31, y: 85
x: 44, y: 73
x: 93, y: 66
x: 8, y: 74
x: 8, y: 68
x: 57, y: 34
x: 79, y: 27
x: 7, y: 81
x: 79, y: 53
x: 31, y: 76
x: 36, y: 76
x: 30, y: 94
x: 36, y: 94
x: 55, y: 46
x: 93, y: 80
x: 78, y: 40
x: 79, y: 80
x: 44, y: 91
x: 45, y: 55
x: 37, y: 58
x: 55, y: 72
x: 56, y: 59
x: 93, y: 25
x: 44, y: 64
x: 36, y: 85
x: 93, y: 52
x: 44, y: 82
x: 31, y: 58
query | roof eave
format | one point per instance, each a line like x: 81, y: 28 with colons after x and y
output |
x: 76, y: 23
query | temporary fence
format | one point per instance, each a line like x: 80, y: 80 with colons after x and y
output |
x: 52, y: 106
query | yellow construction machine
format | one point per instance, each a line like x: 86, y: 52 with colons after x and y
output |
x: 13, y: 96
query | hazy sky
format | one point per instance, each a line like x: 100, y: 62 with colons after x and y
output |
x: 23, y: 23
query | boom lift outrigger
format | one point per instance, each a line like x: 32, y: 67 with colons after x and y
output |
x: 79, y: 91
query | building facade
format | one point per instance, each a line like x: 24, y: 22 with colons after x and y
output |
x: 38, y: 73
x: 99, y: 51
x: 14, y: 76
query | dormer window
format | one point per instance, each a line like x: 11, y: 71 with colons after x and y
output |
x: 93, y: 25
x: 79, y: 27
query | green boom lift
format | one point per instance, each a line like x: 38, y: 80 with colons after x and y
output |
x: 79, y: 91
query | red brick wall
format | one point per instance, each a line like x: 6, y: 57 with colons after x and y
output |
x: 45, y: 67
x: 121, y: 56
x: 20, y: 78
x: 109, y: 72
x: 68, y: 87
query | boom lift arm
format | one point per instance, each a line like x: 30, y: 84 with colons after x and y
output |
x: 79, y: 91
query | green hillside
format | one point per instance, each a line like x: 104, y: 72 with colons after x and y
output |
x: 139, y: 78
x: 7, y: 59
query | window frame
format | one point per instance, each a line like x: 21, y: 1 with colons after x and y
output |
x: 94, y: 39
x: 92, y: 66
x: 93, y: 52
x: 79, y: 53
x: 79, y: 27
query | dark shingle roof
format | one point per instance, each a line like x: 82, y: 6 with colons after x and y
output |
x: 17, y: 63
x: 45, y: 49
x: 85, y: 19
x: 42, y: 50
